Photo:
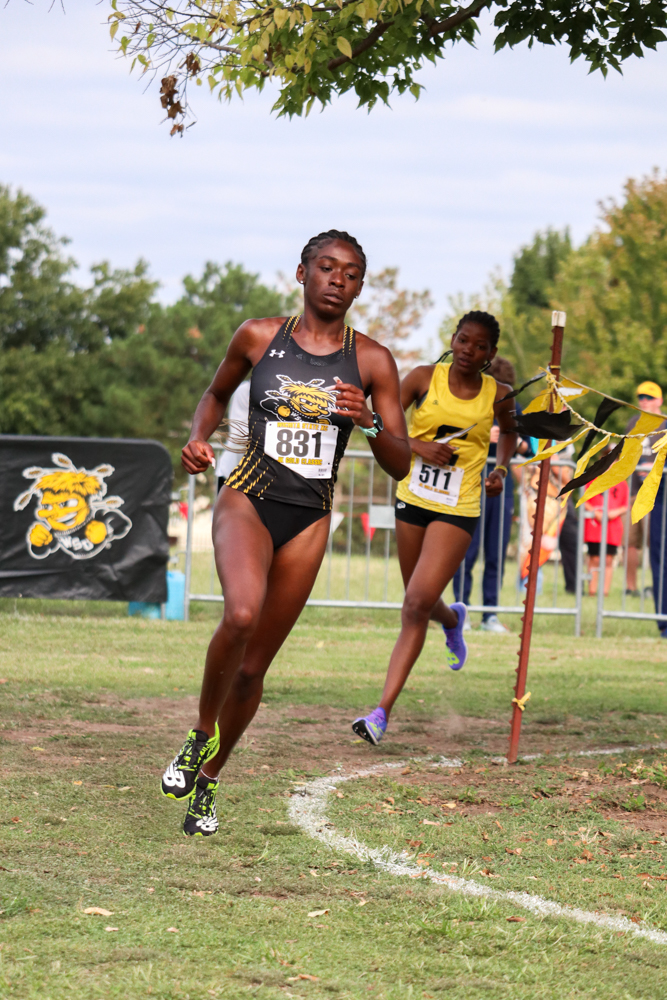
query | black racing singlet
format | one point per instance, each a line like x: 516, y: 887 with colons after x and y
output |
x: 295, y: 442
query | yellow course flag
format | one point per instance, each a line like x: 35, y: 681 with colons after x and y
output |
x: 540, y: 402
x: 555, y: 448
x: 647, y: 492
x: 627, y: 462
x: 571, y: 390
x: 585, y: 459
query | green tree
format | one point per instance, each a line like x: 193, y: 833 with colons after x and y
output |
x: 536, y: 267
x: 315, y: 51
x: 107, y: 360
x: 391, y: 315
x: 614, y: 289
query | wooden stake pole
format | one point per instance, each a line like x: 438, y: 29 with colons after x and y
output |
x: 558, y: 325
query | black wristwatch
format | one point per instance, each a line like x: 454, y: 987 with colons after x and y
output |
x: 378, y: 425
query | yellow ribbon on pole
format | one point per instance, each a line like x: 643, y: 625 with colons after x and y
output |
x: 555, y: 448
x: 521, y: 702
x: 647, y: 492
x: 540, y: 402
x: 627, y: 461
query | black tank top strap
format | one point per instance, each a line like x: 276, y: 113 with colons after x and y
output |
x: 295, y: 438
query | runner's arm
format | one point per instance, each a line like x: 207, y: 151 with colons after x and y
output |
x: 504, y: 413
x: 198, y: 454
x: 390, y: 447
x: 414, y: 387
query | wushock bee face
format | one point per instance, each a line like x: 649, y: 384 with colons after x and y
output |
x: 62, y: 510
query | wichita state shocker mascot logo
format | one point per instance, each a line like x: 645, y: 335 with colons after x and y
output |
x: 73, y: 513
x: 312, y: 401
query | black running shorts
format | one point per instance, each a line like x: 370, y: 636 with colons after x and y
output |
x: 421, y: 517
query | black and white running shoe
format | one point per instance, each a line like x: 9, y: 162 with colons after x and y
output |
x: 201, y: 819
x: 178, y: 781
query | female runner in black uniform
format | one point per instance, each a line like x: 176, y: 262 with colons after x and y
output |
x: 311, y: 376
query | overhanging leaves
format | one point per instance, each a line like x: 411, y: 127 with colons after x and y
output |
x: 317, y: 51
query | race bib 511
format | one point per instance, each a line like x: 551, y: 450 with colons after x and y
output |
x: 440, y: 484
x: 308, y: 449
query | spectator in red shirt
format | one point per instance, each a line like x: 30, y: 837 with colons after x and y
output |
x: 619, y: 498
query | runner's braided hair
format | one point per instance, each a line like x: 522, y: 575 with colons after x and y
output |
x: 484, y: 319
x: 321, y: 240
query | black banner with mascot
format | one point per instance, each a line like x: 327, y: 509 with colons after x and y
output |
x: 84, y: 518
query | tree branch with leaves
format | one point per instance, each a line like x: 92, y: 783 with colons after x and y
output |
x: 375, y: 48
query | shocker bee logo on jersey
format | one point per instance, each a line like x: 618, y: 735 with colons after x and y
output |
x: 311, y: 401
x: 73, y: 513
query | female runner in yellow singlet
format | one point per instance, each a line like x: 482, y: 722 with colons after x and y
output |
x: 438, y: 503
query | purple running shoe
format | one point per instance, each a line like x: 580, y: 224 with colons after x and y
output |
x: 457, y: 651
x: 371, y: 727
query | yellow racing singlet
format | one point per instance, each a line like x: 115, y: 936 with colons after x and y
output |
x: 456, y: 488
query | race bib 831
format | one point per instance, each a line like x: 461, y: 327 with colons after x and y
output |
x: 306, y: 448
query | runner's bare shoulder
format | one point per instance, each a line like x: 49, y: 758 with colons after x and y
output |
x: 375, y: 361
x: 254, y: 335
x: 416, y: 383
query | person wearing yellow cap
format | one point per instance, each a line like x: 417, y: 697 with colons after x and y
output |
x: 649, y: 398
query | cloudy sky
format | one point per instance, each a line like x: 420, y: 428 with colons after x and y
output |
x: 446, y: 188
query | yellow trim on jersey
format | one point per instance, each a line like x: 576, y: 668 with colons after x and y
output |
x: 441, y: 409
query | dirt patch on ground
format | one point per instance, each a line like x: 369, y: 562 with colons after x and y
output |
x: 320, y: 738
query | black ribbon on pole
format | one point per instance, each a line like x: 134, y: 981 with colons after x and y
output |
x: 552, y: 426
x: 595, y: 470
x: 604, y: 411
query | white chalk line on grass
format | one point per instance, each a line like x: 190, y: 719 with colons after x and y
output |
x: 307, y: 810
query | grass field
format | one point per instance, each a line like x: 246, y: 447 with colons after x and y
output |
x: 91, y: 709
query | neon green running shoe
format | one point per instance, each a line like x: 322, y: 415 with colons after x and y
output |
x: 178, y: 781
x: 201, y: 819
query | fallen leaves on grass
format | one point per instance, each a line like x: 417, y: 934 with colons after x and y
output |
x: 98, y: 911
x: 303, y: 975
x: 515, y: 920
x: 317, y: 913
x: 172, y: 930
x: 111, y: 928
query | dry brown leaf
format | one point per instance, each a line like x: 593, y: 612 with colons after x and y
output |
x: 303, y: 975
x: 98, y: 911
x: 317, y: 913
x: 172, y: 930
x: 111, y: 928
x: 515, y: 920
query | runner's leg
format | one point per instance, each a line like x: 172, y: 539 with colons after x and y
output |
x: 243, y: 555
x: 290, y: 580
x: 442, y: 548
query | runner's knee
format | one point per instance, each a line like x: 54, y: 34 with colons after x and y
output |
x: 241, y: 620
x: 417, y: 609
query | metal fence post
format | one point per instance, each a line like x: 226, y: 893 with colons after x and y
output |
x: 188, y: 547
x: 661, y: 584
x: 579, y: 583
x: 602, y: 569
